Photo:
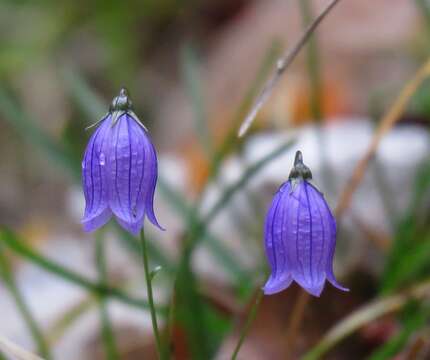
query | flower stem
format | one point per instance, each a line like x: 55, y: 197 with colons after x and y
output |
x: 106, y: 326
x: 251, y: 317
x: 296, y: 317
x: 150, y: 296
x: 23, y: 308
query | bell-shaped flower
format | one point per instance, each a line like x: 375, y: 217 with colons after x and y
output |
x: 300, y: 235
x: 119, y: 170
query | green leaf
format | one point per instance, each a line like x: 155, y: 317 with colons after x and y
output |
x: 154, y: 272
x: 190, y: 307
x: 230, y: 141
x: 22, y: 306
x: 25, y: 126
x: 193, y: 88
x: 227, y: 261
x: 413, y: 320
x: 407, y: 260
x: 9, y: 239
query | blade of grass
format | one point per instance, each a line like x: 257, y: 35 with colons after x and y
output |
x: 227, y: 261
x: 25, y: 126
x: 388, y: 121
x: 189, y: 305
x: 190, y: 67
x: 24, y: 310
x: 281, y: 65
x: 424, y: 10
x: 68, y: 318
x: 156, y: 254
x: 108, y: 334
x: 313, y: 65
x: 17, y: 246
x: 250, y: 319
x: 405, y: 261
x: 414, y: 321
x: 230, y: 140
x: 18, y: 353
x: 364, y: 315
x: 90, y: 103
x: 195, y: 234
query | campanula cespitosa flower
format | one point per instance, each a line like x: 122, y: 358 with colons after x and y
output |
x: 300, y: 235
x: 119, y: 170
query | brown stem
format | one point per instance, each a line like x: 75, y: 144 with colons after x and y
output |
x: 281, y: 65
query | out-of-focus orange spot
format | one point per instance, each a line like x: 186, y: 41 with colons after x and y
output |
x: 290, y: 104
x: 197, y: 164
x: 35, y: 231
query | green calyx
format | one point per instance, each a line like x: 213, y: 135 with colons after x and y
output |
x: 300, y: 171
x: 121, y: 102
x: 121, y: 105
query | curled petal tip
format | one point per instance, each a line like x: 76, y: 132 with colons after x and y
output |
x: 154, y: 221
x: 274, y: 286
x: 314, y: 290
x: 337, y: 285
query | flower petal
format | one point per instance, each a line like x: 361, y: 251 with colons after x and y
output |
x: 120, y: 172
x: 268, y: 233
x: 133, y: 228
x: 149, y: 202
x: 146, y: 175
x: 97, y: 221
x: 94, y: 177
x: 275, y: 242
x: 307, y: 242
x: 275, y: 285
x: 328, y: 247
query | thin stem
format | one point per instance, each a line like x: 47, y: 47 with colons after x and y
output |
x: 251, y: 317
x: 387, y: 122
x: 313, y: 63
x: 23, y: 308
x: 296, y: 316
x: 364, y: 315
x: 170, y: 327
x: 316, y: 101
x: 150, y: 296
x: 282, y: 65
x: 106, y: 326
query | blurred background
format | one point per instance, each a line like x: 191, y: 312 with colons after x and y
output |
x: 193, y: 69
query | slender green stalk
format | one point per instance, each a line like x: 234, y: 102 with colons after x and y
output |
x: 316, y: 101
x: 106, y: 326
x: 313, y: 63
x: 424, y: 10
x: 150, y: 295
x: 26, y: 314
x: 251, y: 317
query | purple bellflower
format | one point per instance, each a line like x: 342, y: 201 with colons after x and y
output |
x: 119, y: 170
x: 300, y: 235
